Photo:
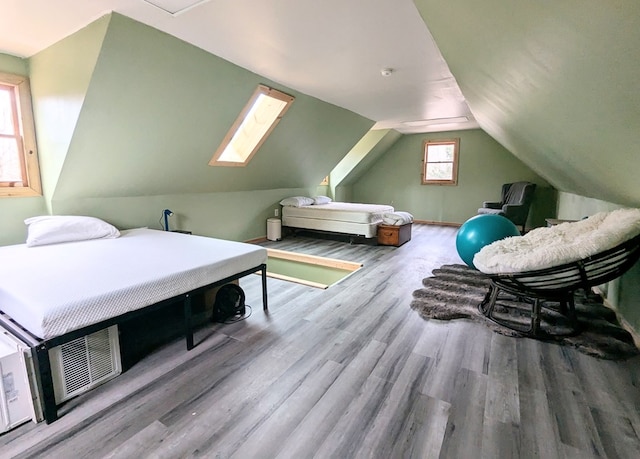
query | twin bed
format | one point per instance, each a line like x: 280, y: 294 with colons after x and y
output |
x: 336, y: 217
x: 55, y: 293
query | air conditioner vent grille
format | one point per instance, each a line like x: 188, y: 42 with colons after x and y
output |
x: 75, y: 365
x: 101, y: 362
x: 85, y: 362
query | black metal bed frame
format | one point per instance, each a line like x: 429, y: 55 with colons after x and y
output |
x: 559, y: 283
x: 332, y: 235
x: 40, y: 348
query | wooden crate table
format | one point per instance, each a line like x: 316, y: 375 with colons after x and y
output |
x: 394, y: 235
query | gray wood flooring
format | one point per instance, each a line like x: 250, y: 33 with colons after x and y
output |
x: 352, y: 371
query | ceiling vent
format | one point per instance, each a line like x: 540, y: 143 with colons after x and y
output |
x: 431, y: 122
x: 175, y: 7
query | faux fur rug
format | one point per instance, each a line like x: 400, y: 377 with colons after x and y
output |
x: 455, y: 291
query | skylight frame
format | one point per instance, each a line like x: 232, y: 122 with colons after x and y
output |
x: 261, y: 90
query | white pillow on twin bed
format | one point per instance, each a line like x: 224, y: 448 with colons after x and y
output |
x: 321, y: 200
x: 297, y: 201
x: 54, y: 229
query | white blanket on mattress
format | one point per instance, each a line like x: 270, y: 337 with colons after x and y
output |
x: 397, y: 218
x: 547, y: 247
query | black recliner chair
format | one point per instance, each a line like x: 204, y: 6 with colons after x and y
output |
x: 515, y: 203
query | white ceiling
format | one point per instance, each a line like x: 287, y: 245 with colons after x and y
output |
x: 332, y: 49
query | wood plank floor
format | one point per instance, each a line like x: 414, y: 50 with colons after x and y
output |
x: 352, y: 371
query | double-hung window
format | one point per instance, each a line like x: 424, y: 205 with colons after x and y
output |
x: 440, y: 162
x: 19, y: 171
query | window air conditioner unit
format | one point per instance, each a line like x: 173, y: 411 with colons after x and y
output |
x: 19, y: 401
x: 84, y: 363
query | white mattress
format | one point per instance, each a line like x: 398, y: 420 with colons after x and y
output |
x: 339, y: 211
x: 54, y: 289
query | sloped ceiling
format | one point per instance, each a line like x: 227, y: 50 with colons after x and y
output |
x: 333, y: 50
x: 366, y: 152
x: 156, y: 108
x: 555, y: 82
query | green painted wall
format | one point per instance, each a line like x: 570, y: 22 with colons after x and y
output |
x: 60, y: 76
x: 128, y: 118
x: 239, y: 215
x: 13, y: 64
x: 554, y: 82
x: 366, y: 152
x: 484, y: 165
x: 622, y: 293
x: 351, y: 160
x: 627, y: 296
x: 157, y: 108
x: 13, y: 211
x: 574, y: 207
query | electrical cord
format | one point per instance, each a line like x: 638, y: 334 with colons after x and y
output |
x: 239, y: 317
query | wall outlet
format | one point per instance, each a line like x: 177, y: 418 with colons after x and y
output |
x: 276, y: 212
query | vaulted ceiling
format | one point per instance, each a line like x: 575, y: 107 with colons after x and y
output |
x: 333, y: 50
x: 555, y: 82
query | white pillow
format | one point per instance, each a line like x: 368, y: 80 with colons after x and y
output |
x: 321, y: 200
x: 53, y: 229
x: 297, y: 201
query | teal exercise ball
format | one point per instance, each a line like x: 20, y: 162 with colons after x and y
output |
x: 482, y: 230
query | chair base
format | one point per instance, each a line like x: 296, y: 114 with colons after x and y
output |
x: 534, y: 329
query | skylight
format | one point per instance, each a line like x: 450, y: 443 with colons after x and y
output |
x: 252, y: 127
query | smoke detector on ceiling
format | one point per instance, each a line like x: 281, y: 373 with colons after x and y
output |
x: 386, y: 71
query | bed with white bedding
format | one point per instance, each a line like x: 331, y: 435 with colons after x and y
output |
x: 337, y: 217
x: 58, y: 292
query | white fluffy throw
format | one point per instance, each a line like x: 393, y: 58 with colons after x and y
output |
x: 547, y: 247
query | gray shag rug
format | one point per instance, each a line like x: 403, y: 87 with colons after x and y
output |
x: 455, y: 291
